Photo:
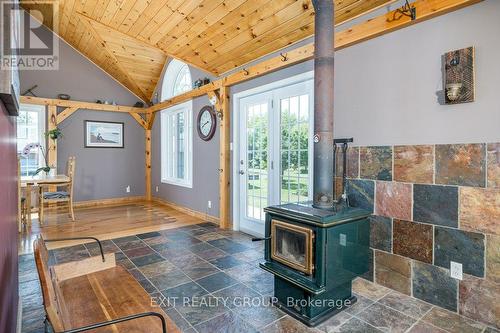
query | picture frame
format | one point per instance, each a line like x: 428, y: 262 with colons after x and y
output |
x: 103, y: 134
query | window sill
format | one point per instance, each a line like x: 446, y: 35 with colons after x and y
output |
x: 177, y: 183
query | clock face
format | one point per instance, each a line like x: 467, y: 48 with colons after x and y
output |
x: 206, y: 123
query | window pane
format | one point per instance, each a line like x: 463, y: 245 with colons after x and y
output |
x: 180, y: 145
x: 182, y: 81
x: 28, y: 131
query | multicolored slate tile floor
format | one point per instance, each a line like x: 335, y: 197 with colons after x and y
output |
x: 206, y: 262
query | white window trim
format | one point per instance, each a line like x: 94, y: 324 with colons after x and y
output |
x: 42, y: 126
x: 166, y: 155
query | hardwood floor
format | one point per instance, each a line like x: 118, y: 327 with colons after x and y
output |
x: 105, y: 222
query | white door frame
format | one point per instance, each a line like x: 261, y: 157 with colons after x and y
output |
x: 236, y: 135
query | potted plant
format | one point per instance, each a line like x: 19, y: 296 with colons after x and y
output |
x: 35, y: 145
x: 54, y: 134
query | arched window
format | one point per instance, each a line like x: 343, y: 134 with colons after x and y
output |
x: 177, y: 79
x: 177, y: 128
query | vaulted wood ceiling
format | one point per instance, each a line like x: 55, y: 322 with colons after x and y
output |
x: 132, y: 39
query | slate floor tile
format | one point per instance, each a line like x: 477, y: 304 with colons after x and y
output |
x: 288, y: 325
x: 169, y: 280
x: 184, y: 292
x: 147, y: 259
x: 107, y: 246
x: 423, y: 327
x: 211, y: 254
x: 181, y: 323
x: 209, y: 236
x: 138, y: 252
x: 361, y: 304
x: 262, y: 283
x: 216, y: 281
x: 250, y: 255
x: 369, y: 289
x: 226, y: 322
x: 199, y: 270
x: 386, y: 319
x: 228, y: 246
x: 452, y: 322
x: 408, y: 305
x: 334, y: 322
x: 201, y: 310
x: 354, y: 325
x: 237, y: 295
x: 259, y: 316
x: 161, y: 267
x: 225, y: 262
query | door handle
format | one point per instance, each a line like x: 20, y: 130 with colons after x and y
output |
x: 241, y: 172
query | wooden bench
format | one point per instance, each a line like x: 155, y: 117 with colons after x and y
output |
x: 96, y: 295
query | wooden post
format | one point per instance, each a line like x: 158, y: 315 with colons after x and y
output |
x: 148, y: 164
x: 224, y: 179
x: 51, y: 147
x: 52, y: 144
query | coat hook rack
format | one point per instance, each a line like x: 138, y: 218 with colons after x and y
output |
x: 406, y: 10
x: 283, y: 57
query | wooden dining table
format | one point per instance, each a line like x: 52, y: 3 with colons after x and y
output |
x: 29, y: 182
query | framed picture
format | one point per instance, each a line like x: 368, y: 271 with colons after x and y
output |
x: 103, y: 134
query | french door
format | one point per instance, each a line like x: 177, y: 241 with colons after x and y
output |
x: 275, y: 150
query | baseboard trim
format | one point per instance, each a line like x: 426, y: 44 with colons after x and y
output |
x: 186, y: 210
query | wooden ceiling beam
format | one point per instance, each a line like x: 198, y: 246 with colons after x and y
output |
x: 383, y: 24
x: 80, y: 105
x: 139, y: 120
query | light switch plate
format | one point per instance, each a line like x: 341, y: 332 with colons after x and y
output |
x: 456, y: 270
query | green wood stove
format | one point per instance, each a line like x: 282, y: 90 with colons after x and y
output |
x: 314, y: 255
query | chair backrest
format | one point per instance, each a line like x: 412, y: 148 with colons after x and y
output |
x: 70, y: 171
x: 47, y: 284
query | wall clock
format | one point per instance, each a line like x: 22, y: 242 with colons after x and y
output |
x: 206, y: 123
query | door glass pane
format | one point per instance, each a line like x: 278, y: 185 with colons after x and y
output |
x: 294, y: 164
x: 257, y: 154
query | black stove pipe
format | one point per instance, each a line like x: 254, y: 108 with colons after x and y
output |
x: 323, y: 103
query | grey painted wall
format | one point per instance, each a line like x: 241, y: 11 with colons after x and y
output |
x: 205, y: 164
x: 386, y: 91
x: 100, y: 173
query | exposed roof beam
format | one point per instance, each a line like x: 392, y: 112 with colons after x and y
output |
x: 80, y: 105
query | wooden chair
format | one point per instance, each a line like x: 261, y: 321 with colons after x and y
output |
x: 59, y: 196
x: 95, y: 295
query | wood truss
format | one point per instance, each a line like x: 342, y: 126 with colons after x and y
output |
x: 219, y: 89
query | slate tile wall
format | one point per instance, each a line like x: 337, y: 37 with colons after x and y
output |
x: 433, y: 204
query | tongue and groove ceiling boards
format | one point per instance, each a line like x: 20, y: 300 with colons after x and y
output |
x: 132, y: 39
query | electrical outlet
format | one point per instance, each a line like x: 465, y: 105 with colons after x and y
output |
x: 127, y: 189
x: 456, y: 270
x: 157, y: 188
x: 343, y: 240
x: 209, y: 204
